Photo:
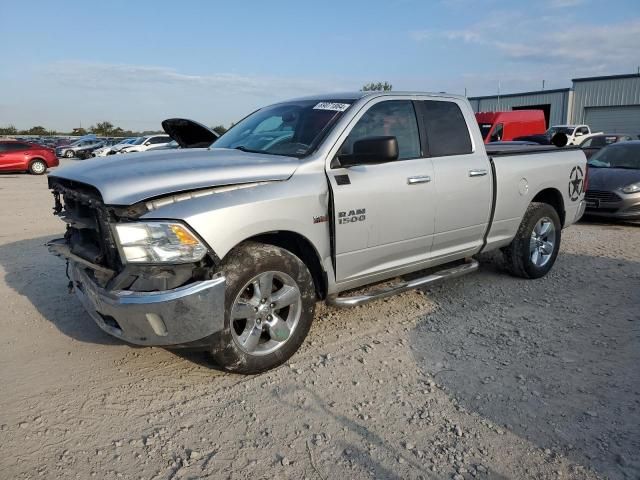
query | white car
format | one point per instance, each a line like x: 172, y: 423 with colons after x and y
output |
x: 574, y: 133
x: 106, y: 150
x: 143, y: 144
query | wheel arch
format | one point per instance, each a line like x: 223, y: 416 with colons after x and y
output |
x: 301, y: 247
x: 553, y: 198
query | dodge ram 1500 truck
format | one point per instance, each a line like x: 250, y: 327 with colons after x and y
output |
x: 228, y: 248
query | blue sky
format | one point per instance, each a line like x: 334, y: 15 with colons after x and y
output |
x: 135, y: 63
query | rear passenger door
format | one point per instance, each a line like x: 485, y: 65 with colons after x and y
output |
x: 462, y: 179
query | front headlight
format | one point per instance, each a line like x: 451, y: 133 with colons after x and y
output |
x: 159, y: 242
x: 633, y: 188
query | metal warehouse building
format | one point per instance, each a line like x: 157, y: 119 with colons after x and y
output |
x: 610, y: 104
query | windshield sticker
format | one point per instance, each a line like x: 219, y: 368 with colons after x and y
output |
x: 336, y: 107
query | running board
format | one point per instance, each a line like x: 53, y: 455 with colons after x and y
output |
x: 445, y: 274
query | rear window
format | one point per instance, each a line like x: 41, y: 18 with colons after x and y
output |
x: 14, y: 146
x: 446, y: 130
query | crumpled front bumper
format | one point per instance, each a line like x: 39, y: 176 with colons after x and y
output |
x: 172, y: 317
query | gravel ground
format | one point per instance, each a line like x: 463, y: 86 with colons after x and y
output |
x: 487, y: 376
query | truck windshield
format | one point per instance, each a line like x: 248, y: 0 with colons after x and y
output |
x: 619, y: 155
x: 291, y: 128
x: 485, y: 128
x: 553, y: 130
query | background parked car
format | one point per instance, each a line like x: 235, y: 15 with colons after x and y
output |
x: 594, y: 142
x: 87, y: 152
x: 189, y: 133
x: 110, y: 149
x: 18, y: 156
x: 573, y: 132
x: 144, y: 143
x: 69, y: 151
x: 614, y: 181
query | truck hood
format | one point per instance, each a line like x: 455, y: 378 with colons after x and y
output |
x: 188, y: 133
x: 132, y: 178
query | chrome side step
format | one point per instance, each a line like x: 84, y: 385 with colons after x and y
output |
x: 445, y: 274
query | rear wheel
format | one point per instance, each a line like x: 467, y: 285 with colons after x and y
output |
x: 37, y: 167
x: 535, y: 247
x: 269, y: 307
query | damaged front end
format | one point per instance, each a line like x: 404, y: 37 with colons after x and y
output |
x: 142, y: 300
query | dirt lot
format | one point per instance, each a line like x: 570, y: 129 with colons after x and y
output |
x: 487, y: 376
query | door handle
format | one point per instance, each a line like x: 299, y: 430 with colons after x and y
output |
x: 478, y: 173
x: 418, y: 179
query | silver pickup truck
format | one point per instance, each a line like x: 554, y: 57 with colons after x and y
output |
x: 229, y: 248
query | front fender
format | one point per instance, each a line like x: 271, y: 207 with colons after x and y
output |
x: 229, y: 217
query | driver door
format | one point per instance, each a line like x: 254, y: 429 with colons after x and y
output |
x: 383, y: 213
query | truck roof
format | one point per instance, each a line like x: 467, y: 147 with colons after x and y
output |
x: 357, y: 95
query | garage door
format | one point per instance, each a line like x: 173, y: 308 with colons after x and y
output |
x: 614, y: 119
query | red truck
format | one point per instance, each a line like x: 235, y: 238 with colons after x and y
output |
x: 17, y: 156
x: 505, y: 126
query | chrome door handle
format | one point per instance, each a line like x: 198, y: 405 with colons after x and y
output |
x: 477, y: 173
x: 419, y: 179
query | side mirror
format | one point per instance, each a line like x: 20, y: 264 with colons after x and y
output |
x: 146, y: 144
x: 579, y: 134
x: 371, y: 150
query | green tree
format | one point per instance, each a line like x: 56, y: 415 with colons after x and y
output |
x: 39, y: 130
x: 8, y: 130
x: 102, y: 128
x: 79, y: 131
x: 219, y: 129
x: 377, y: 87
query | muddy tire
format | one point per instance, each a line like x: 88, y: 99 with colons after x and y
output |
x: 37, y: 167
x: 269, y: 306
x: 535, y: 247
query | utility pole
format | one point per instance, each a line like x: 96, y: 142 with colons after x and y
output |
x: 498, y: 96
x: 543, y: 84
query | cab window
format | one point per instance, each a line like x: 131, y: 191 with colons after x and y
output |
x: 447, y: 132
x: 396, y: 118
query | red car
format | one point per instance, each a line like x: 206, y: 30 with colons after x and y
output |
x: 17, y: 156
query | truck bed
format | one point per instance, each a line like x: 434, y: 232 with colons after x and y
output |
x: 498, y: 150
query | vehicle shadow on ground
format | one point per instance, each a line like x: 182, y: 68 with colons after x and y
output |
x: 33, y: 272
x: 527, y: 356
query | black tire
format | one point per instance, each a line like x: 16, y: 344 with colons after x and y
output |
x: 518, y: 255
x: 243, y: 264
x: 37, y: 167
x: 69, y: 154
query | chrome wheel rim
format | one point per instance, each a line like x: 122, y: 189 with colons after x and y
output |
x: 543, y: 242
x: 38, y: 167
x: 265, y: 313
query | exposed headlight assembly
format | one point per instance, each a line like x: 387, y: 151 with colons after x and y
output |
x: 633, y: 188
x: 159, y: 242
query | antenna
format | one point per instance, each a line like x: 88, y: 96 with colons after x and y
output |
x: 498, y: 95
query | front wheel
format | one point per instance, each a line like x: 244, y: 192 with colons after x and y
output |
x: 69, y: 154
x: 535, y: 247
x: 37, y: 167
x: 269, y: 307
